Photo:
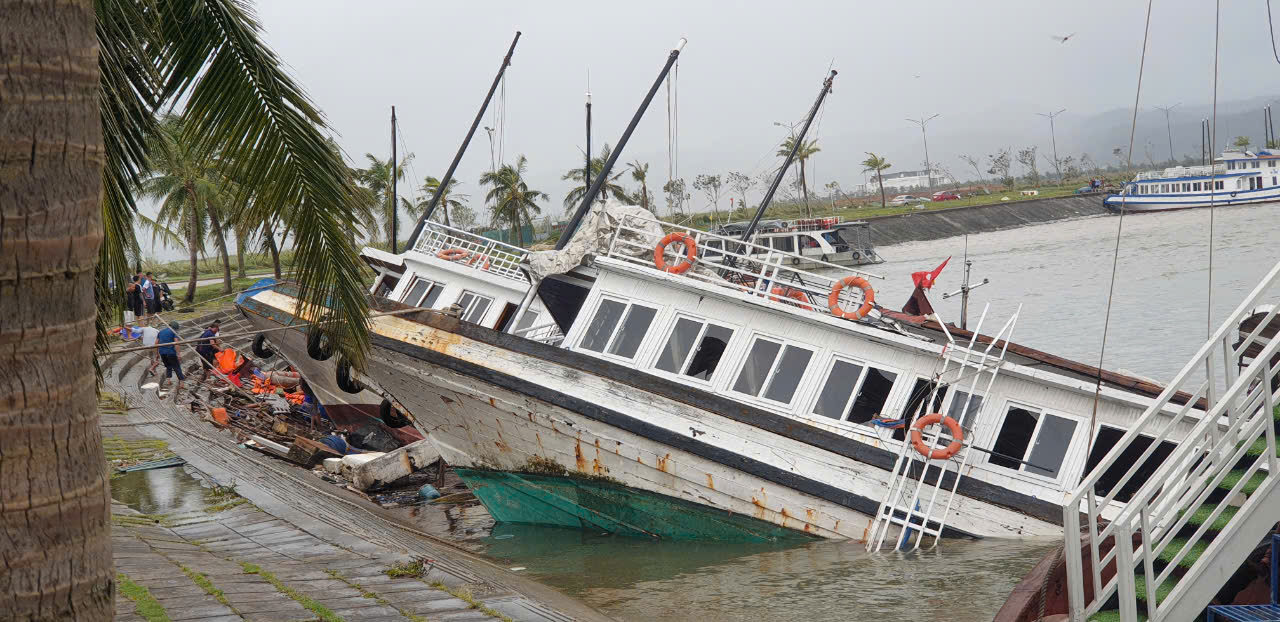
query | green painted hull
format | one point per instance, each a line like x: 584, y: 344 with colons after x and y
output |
x: 602, y: 505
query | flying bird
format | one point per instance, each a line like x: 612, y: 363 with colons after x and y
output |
x: 1062, y: 39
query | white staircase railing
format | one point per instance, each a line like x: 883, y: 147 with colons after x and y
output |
x: 913, y: 482
x: 1226, y: 395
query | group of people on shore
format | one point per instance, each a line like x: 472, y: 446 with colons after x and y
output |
x: 143, y: 295
x: 165, y: 349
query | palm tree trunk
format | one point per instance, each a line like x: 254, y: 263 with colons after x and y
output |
x: 275, y: 251
x: 804, y: 188
x: 221, y: 239
x: 882, y: 198
x: 240, y: 257
x: 54, y: 502
x: 192, y: 243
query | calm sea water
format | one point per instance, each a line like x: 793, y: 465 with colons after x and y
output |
x: 1059, y: 273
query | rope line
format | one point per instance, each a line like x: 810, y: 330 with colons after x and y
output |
x: 1115, y: 258
x: 1270, y: 30
x: 1217, y: 34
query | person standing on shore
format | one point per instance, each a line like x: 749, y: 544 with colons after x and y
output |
x: 168, y: 351
x: 206, y: 347
x: 155, y: 293
x: 133, y: 301
x: 149, y: 336
x: 147, y: 288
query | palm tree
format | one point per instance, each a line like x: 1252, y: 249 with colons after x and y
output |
x: 92, y: 86
x: 640, y: 173
x: 576, y: 175
x: 807, y: 148
x: 189, y: 188
x: 511, y: 199
x: 878, y: 165
x: 376, y: 179
x: 450, y: 198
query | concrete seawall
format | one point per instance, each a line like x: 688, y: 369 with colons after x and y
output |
x: 934, y: 225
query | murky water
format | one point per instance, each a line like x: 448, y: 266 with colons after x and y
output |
x: 160, y: 491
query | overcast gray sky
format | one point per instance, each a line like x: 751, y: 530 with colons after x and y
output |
x: 985, y: 66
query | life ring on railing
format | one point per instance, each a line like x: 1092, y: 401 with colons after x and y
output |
x: 778, y: 293
x: 932, y: 453
x: 452, y: 254
x: 868, y: 298
x: 477, y: 257
x: 690, y: 253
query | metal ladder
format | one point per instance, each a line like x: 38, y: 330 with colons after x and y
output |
x: 912, y: 483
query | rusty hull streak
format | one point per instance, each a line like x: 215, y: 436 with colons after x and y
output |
x: 662, y: 463
x: 710, y: 483
x: 577, y: 455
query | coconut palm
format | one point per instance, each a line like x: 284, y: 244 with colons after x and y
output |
x: 94, y: 75
x: 576, y: 175
x: 640, y: 173
x: 807, y: 149
x: 510, y: 198
x: 376, y: 179
x: 450, y: 198
x: 876, y: 164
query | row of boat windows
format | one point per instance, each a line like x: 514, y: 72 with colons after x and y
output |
x: 1030, y: 439
x: 786, y: 244
x: 1193, y: 186
x: 1247, y: 164
x: 425, y: 293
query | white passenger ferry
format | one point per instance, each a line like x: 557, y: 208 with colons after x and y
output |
x: 720, y: 394
x: 1237, y: 177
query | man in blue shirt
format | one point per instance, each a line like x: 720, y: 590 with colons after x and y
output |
x: 169, y: 354
x: 207, y: 346
x: 147, y: 289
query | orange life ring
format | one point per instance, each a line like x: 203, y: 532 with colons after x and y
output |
x: 690, y: 253
x: 930, y: 453
x: 452, y: 254
x: 477, y: 257
x: 779, y: 292
x: 868, y: 298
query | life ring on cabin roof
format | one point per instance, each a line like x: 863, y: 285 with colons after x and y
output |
x: 477, y: 257
x: 778, y: 293
x: 690, y: 253
x: 868, y: 298
x: 932, y: 453
x: 452, y: 254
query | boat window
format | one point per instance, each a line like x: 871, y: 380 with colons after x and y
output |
x: 1106, y: 439
x: 1231, y: 166
x: 963, y: 408
x: 808, y: 241
x: 634, y: 327
x: 1033, y: 441
x: 919, y: 393
x: 837, y: 390
x: 423, y: 293
x: 1195, y: 187
x: 694, y: 348
x: 772, y: 370
x: 1217, y: 185
x: 784, y: 243
x: 474, y: 306
x: 1257, y: 164
x: 527, y: 321
x: 1186, y: 187
x: 872, y: 394
x: 1271, y: 163
x: 386, y: 285
x: 601, y: 328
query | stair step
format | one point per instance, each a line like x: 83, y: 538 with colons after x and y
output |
x: 1260, y: 446
x: 1235, y: 476
x: 1112, y: 615
x: 1162, y: 592
x: 1176, y: 545
x: 1203, y: 512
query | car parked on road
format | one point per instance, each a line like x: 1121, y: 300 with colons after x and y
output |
x: 945, y: 195
x: 906, y: 199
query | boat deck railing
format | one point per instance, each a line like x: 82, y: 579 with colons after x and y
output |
x: 727, y: 262
x: 476, y: 251
x: 1183, y: 171
x: 1228, y: 451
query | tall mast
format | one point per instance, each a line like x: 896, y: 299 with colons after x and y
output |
x: 448, y: 175
x: 586, y: 173
x: 394, y: 169
x: 617, y: 150
x: 768, y: 196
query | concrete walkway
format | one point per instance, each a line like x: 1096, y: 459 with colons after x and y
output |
x: 300, y: 549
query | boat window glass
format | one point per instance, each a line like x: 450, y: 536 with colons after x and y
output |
x: 1231, y: 166
x: 474, y: 306
x: 1033, y: 441
x: 1218, y: 185
x: 1271, y: 163
x: 602, y: 325
x: 838, y: 388
x: 786, y: 376
x: 710, y: 340
x: 872, y: 394
x: 958, y: 404
x: 784, y: 243
x: 1195, y: 187
x: 808, y: 241
x: 755, y: 371
x: 386, y: 285
x: 1102, y: 444
x: 527, y: 321
x: 627, y: 342
x: 423, y: 293
x: 919, y: 393
x: 1186, y: 187
x: 1257, y: 164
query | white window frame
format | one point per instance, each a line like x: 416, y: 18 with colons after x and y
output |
x: 821, y: 382
x: 468, y: 308
x: 668, y: 330
x: 626, y: 312
x: 416, y: 279
x: 1069, y: 459
x: 814, y: 354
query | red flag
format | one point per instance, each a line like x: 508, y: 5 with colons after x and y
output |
x: 925, y: 279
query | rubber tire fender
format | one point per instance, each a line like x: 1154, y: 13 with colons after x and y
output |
x: 318, y: 347
x: 260, y: 348
x: 342, y: 375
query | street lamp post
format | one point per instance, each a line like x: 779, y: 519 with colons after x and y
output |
x: 1168, y: 130
x: 928, y: 167
x: 1053, y: 136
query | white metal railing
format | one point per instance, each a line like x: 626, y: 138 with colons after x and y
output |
x: 477, y: 251
x: 1231, y: 406
x: 546, y: 333
x: 743, y: 266
x: 1183, y: 171
x: 802, y: 224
